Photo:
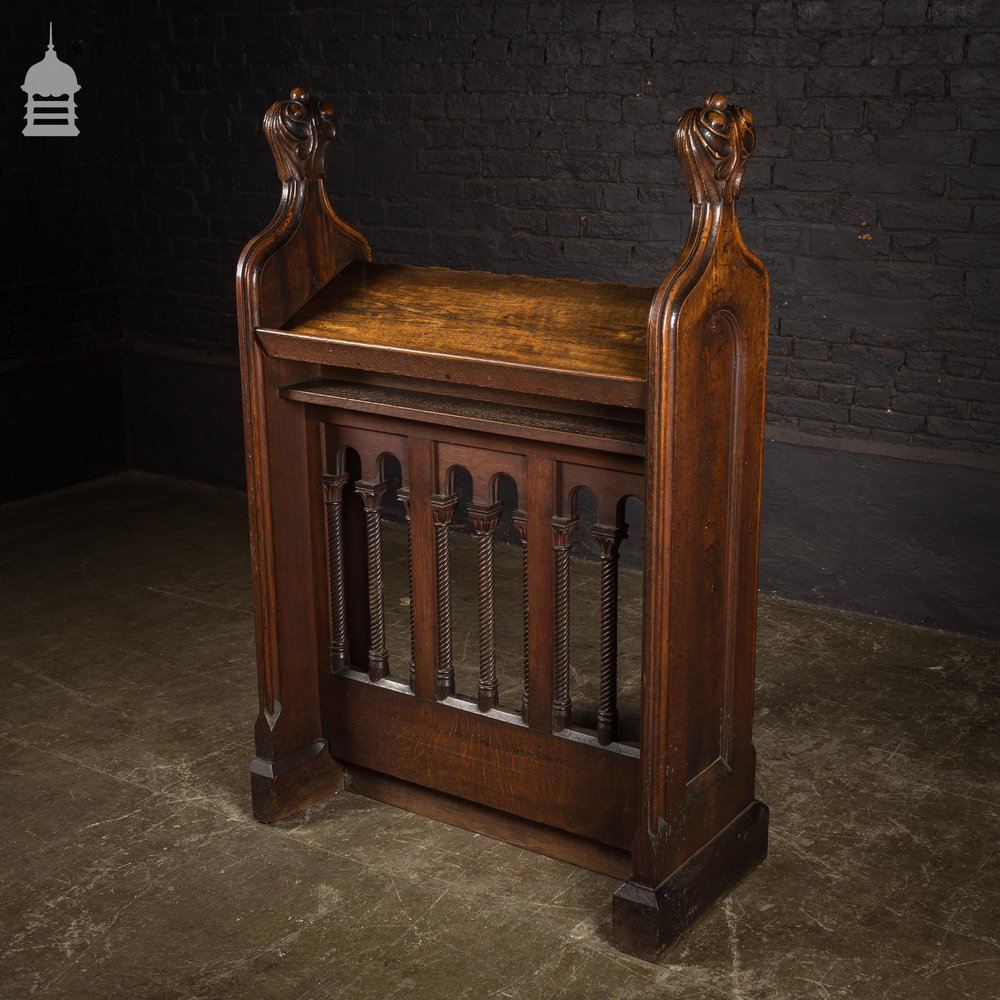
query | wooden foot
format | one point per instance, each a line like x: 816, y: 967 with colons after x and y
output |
x: 282, y: 788
x: 644, y: 921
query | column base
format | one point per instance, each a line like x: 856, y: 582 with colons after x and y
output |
x: 645, y: 921
x: 378, y: 667
x: 282, y: 788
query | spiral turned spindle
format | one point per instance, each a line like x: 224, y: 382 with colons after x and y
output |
x: 333, y: 490
x: 403, y: 493
x: 521, y: 523
x: 443, y: 510
x: 378, y: 656
x: 562, y: 536
x: 609, y: 538
x: 485, y: 519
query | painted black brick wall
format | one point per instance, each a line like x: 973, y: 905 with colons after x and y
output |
x: 58, y: 297
x: 536, y: 138
x: 62, y: 416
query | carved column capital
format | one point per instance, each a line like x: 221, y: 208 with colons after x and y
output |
x: 371, y: 492
x: 609, y: 537
x: 562, y: 531
x: 485, y: 517
x: 443, y: 508
x: 333, y: 486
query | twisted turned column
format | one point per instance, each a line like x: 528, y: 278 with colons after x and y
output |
x: 485, y: 519
x: 378, y: 656
x: 333, y: 494
x: 443, y: 509
x: 609, y: 537
x: 521, y: 523
x: 562, y: 707
x: 404, y: 498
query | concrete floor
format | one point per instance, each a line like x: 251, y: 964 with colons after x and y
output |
x: 131, y: 866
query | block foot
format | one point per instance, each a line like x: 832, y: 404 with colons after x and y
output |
x: 645, y: 921
x: 282, y: 788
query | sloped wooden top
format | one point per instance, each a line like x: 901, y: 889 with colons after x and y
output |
x: 547, y: 335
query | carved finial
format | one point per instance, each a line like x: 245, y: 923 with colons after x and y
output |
x: 298, y: 131
x: 713, y: 145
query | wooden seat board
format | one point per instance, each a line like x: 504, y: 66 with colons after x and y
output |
x: 561, y: 324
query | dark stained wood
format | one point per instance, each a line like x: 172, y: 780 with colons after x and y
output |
x: 302, y: 247
x: 475, y: 414
x: 483, y: 462
x: 704, y: 438
x: 297, y: 636
x: 539, y: 504
x: 644, y: 921
x: 333, y: 486
x: 306, y: 243
x: 562, y: 537
x: 424, y: 591
x: 485, y: 518
x: 537, y: 837
x: 594, y: 328
x: 296, y: 782
x: 443, y: 508
x: 486, y: 758
x: 608, y: 537
x: 378, y: 656
x: 356, y: 576
x: 563, y: 386
x: 403, y: 494
x: 520, y: 520
x: 609, y: 484
x: 558, y: 382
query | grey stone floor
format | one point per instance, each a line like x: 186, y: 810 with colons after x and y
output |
x: 131, y: 866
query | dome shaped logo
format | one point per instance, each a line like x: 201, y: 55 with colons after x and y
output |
x: 51, y: 88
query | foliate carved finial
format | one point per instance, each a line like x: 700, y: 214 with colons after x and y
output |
x: 299, y: 130
x: 714, y: 144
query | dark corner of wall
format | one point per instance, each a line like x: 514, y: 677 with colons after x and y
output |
x: 62, y: 422
x: 183, y: 417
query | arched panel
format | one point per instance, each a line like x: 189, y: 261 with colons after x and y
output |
x: 716, y: 364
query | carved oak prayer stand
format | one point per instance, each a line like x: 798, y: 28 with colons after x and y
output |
x: 561, y: 386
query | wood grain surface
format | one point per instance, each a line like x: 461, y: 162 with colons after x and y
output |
x: 557, y: 323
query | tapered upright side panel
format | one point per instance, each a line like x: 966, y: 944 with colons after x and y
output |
x: 302, y: 248
x: 700, y: 826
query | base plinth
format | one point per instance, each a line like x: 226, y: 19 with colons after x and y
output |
x: 645, y: 921
x: 281, y: 788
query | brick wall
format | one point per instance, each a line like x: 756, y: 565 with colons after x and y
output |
x: 61, y: 409
x: 57, y: 284
x: 536, y: 138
